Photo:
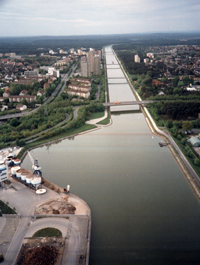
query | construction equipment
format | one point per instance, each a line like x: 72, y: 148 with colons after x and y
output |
x: 35, y: 165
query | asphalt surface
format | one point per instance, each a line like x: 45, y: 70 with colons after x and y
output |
x: 75, y: 228
x: 127, y: 103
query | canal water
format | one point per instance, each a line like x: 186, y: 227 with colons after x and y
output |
x: 143, y: 210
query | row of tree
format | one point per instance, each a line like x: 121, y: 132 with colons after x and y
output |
x: 177, y: 109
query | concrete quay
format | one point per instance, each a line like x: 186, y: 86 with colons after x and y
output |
x: 75, y: 228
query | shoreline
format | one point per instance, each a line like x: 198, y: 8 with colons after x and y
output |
x: 156, y: 131
x: 176, y: 157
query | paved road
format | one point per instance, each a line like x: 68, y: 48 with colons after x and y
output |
x: 25, y: 201
x: 56, y: 222
x: 29, y: 139
x: 76, y: 242
x: 16, y: 241
x: 75, y: 112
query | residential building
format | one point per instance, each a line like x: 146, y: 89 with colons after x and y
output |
x: 137, y: 58
x: 146, y: 60
x: 31, y: 73
x: 79, y: 93
x: 21, y: 107
x: 23, y: 93
x: 7, y: 93
x: 20, y: 98
x: 85, y: 67
x: 40, y: 93
x: 150, y: 55
x: 90, y: 57
x: 4, y: 107
x: 54, y: 72
x: 97, y: 66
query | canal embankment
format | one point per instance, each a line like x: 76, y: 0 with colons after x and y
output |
x: 179, y: 157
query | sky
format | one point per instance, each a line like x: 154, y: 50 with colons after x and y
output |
x: 86, y: 17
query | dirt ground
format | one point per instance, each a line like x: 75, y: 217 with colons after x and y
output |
x: 41, y: 251
x: 59, y: 206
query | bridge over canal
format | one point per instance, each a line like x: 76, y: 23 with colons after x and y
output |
x: 143, y: 102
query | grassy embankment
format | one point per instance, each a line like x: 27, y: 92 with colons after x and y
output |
x: 36, y: 143
x: 95, y: 115
x: 105, y: 121
x: 5, y: 209
x: 161, y: 124
x: 183, y: 147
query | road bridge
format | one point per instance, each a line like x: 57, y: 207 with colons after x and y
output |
x: 143, y: 102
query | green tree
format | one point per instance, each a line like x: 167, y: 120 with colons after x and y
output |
x: 175, y: 80
x: 197, y: 161
x: 169, y: 124
x: 183, y: 141
x: 22, y: 142
x: 6, y: 100
x: 14, y: 122
x: 189, y: 153
x: 187, y: 125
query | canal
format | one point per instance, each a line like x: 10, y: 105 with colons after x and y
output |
x: 143, y: 210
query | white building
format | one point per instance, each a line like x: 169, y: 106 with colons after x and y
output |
x: 137, y: 58
x: 21, y: 107
x: 150, y: 55
x: 54, y: 72
x: 191, y: 89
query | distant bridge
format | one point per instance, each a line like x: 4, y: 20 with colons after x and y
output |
x: 143, y: 102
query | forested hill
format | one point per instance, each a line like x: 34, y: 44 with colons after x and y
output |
x: 33, y: 45
x: 36, y: 45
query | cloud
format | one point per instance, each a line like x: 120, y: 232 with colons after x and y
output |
x: 99, y: 15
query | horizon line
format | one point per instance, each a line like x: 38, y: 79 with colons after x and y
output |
x: 105, y: 34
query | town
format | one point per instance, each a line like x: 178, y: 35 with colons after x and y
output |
x: 31, y: 82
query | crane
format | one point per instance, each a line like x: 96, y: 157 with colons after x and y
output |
x: 35, y: 165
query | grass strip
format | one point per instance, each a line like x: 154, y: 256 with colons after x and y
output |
x: 95, y: 115
x: 83, y: 128
x: 48, y: 232
x: 5, y: 209
x: 105, y: 121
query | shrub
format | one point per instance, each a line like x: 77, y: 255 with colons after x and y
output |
x: 189, y: 153
x: 197, y: 161
x: 169, y: 124
x: 183, y: 141
x: 179, y: 137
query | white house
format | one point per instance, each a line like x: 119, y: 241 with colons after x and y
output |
x: 191, y: 89
x: 40, y: 93
x: 4, y: 108
x: 21, y: 107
